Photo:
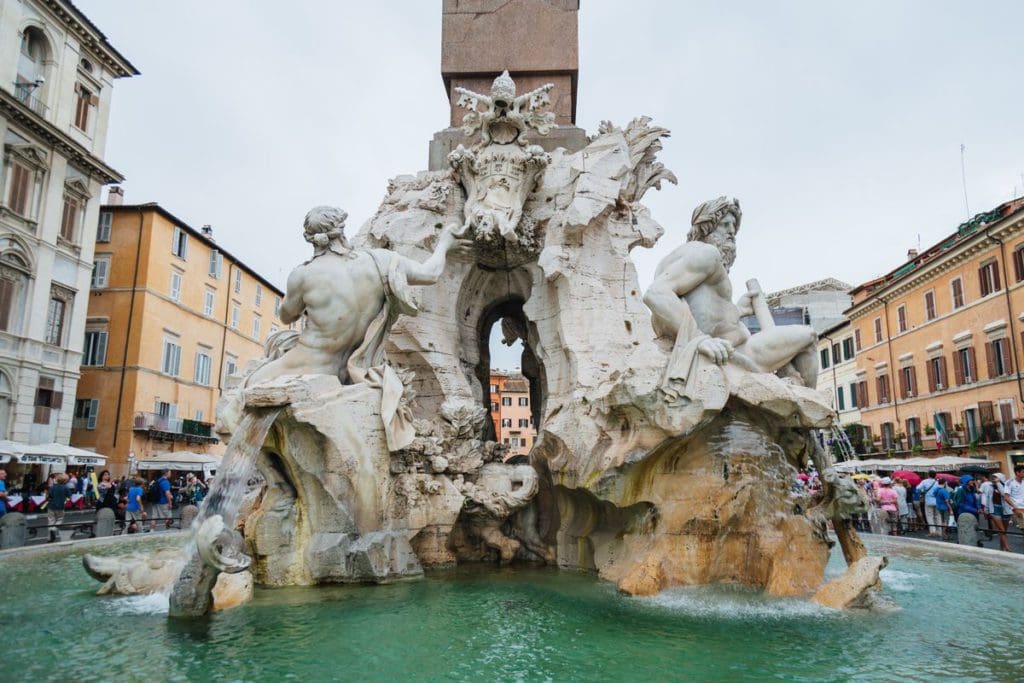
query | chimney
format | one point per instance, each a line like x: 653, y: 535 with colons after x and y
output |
x: 207, y: 231
x: 115, y: 196
x: 911, y: 254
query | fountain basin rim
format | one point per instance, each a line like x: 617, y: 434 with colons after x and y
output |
x: 173, y: 538
x: 1012, y: 559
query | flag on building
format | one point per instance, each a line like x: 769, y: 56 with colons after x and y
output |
x: 940, y: 432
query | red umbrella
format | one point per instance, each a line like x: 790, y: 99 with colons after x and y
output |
x: 948, y: 478
x: 912, y: 477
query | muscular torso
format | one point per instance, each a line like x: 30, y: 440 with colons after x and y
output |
x: 342, y: 296
x: 699, y: 278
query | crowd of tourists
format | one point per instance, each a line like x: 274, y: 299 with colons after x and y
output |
x: 133, y: 500
x: 944, y: 505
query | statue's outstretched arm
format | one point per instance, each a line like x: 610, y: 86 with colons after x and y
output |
x: 428, y: 272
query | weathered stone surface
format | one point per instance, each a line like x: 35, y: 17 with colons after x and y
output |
x: 104, y: 525
x: 142, y: 573
x: 13, y: 530
x: 855, y: 588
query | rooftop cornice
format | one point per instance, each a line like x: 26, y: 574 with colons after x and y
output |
x: 977, y: 243
x: 15, y: 110
x: 91, y: 37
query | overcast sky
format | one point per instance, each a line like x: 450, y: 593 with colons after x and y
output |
x: 837, y: 125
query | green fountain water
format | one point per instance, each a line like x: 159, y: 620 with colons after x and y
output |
x: 959, y: 620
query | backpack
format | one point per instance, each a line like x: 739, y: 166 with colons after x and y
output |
x: 154, y: 494
x: 958, y: 498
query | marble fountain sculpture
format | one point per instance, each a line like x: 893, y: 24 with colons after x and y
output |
x: 669, y: 434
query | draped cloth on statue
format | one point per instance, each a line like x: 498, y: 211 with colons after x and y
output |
x: 368, y: 365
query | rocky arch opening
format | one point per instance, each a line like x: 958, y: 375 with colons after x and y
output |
x: 505, y: 323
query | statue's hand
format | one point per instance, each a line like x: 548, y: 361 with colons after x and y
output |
x: 746, y: 303
x: 452, y: 240
x: 717, y: 350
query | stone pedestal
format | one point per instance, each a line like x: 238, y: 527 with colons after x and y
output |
x: 12, y: 530
x: 105, y: 519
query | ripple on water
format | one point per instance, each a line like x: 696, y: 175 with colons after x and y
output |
x: 734, y: 602
x: 900, y: 581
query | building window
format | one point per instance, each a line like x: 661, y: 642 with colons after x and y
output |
x: 216, y: 263
x: 901, y: 318
x: 204, y: 363
x: 937, y: 380
x: 929, y: 305
x: 199, y: 415
x: 848, y: 348
x: 179, y: 243
x: 100, y: 272
x: 175, y: 286
x: 494, y: 406
x: 997, y: 355
x: 506, y: 422
x: 238, y: 281
x: 856, y: 339
x: 208, y: 299
x: 274, y: 329
x: 105, y: 224
x: 277, y: 306
x: 840, y: 403
x: 20, y: 193
x: 824, y: 359
x: 988, y: 276
x: 8, y: 292
x: 523, y: 422
x: 47, y: 399
x: 170, y: 364
x: 956, y: 286
x: 853, y: 395
x: 85, y: 100
x: 95, y: 348
x: 256, y: 327
x: 524, y: 401
x: 55, y: 321
x: 862, y: 394
x: 888, y: 441
x: 913, y: 432
x: 494, y: 388
x: 235, y: 315
x: 836, y: 356
x: 259, y: 294
x: 964, y: 366
x: 882, y: 383
x: 86, y: 411
x: 908, y: 382
x: 878, y: 330
x: 69, y: 219
x: 506, y: 400
x: 230, y: 365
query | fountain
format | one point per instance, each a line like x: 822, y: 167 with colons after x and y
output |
x: 669, y: 436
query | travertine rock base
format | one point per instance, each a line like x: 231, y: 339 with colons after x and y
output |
x: 712, y: 507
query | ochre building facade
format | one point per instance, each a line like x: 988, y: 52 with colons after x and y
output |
x: 171, y: 317
x: 512, y: 413
x: 941, y: 339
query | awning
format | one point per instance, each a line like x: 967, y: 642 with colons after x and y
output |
x: 944, y: 463
x: 48, y: 454
x: 180, y: 460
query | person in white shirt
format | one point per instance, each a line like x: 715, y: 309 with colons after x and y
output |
x: 1015, y: 496
x: 996, y: 508
x: 931, y: 515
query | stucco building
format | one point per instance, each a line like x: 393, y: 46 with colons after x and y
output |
x: 838, y: 372
x: 57, y: 73
x: 171, y: 316
x: 940, y: 338
x: 511, y: 412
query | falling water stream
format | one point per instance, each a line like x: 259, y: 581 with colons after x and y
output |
x: 189, y: 595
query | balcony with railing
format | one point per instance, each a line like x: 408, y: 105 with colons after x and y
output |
x: 165, y: 428
x: 28, y: 94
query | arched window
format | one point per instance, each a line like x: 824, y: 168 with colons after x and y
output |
x: 14, y: 273
x: 32, y: 68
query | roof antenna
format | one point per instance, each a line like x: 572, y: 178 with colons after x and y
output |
x: 963, y: 178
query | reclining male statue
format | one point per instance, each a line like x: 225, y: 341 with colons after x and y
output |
x: 691, y: 302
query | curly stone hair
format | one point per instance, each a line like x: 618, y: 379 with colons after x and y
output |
x: 323, y: 224
x: 707, y: 216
